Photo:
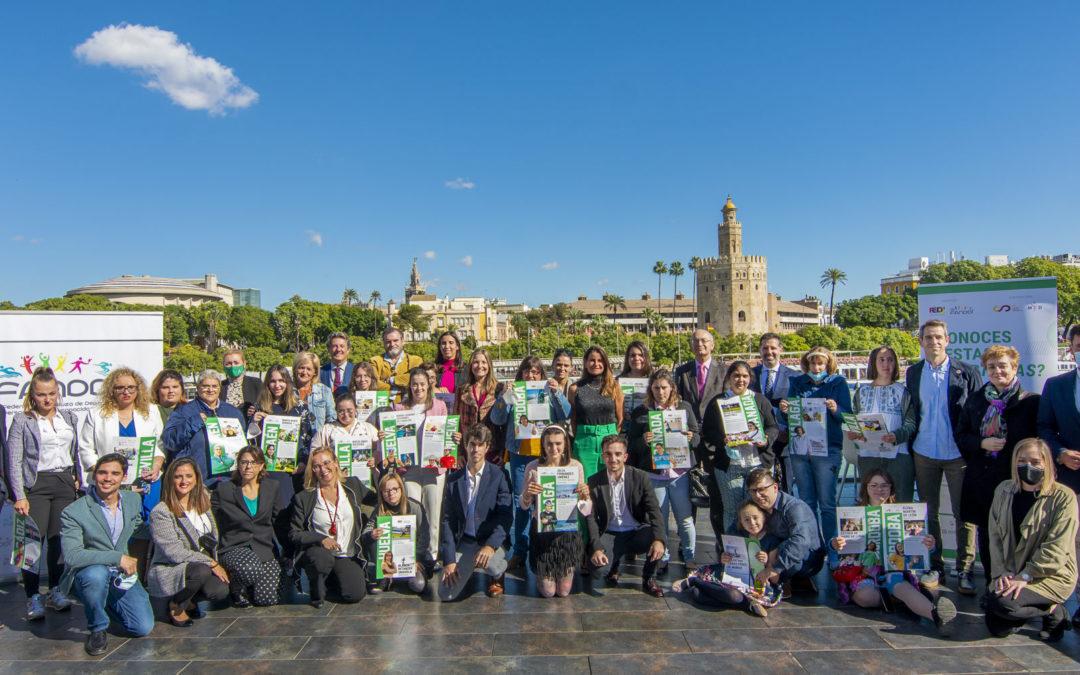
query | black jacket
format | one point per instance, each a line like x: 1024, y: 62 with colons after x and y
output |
x: 301, y: 530
x: 714, y: 436
x: 640, y: 454
x: 251, y: 387
x: 640, y: 501
x: 237, y: 527
x: 687, y: 385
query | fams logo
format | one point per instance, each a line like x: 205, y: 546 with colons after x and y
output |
x: 57, y: 363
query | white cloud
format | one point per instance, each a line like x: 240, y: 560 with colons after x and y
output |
x: 550, y: 265
x: 314, y: 237
x: 430, y: 255
x: 19, y: 237
x: 192, y: 81
x: 603, y: 282
x: 432, y: 283
x: 466, y: 261
x: 460, y: 184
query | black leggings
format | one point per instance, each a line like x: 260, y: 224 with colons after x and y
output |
x: 346, y: 573
x: 200, y: 584
x: 711, y: 595
x: 1005, y: 613
x: 51, y: 494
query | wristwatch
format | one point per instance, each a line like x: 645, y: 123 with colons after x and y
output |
x: 1025, y: 576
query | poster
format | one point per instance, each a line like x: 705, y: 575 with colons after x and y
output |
x: 396, y: 548
x: 140, y: 456
x: 557, y: 503
x: 225, y: 438
x: 633, y: 391
x: 744, y: 565
x: 742, y: 429
x: 437, y: 445
x: 369, y: 402
x: 1019, y: 313
x: 806, y: 421
x: 870, y: 427
x: 532, y: 410
x: 400, y: 444
x: 670, y: 445
x: 80, y: 347
x: 353, y: 456
x: 905, y: 528
x: 26, y: 543
x: 281, y: 442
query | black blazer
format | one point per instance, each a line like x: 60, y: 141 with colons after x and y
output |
x: 640, y: 501
x: 984, y: 473
x: 251, y: 386
x: 639, y: 451
x: 687, y: 385
x: 4, y: 469
x: 964, y: 380
x: 494, y: 510
x: 1059, y: 423
x: 237, y: 527
x: 715, y: 438
x: 301, y: 531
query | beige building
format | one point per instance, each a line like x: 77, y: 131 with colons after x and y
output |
x: 788, y: 317
x: 486, y: 320
x: 732, y: 288
x: 159, y: 291
x: 678, y: 313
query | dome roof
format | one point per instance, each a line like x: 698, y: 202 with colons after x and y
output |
x: 729, y: 206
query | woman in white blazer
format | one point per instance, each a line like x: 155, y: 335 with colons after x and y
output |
x: 125, y: 416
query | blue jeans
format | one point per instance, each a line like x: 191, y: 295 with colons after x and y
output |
x: 519, y: 537
x: 815, y: 478
x: 732, y: 484
x: 94, y: 588
x: 674, y: 495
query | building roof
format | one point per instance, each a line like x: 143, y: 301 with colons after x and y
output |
x: 730, y: 206
x: 785, y: 307
x: 633, y: 305
x: 147, y: 284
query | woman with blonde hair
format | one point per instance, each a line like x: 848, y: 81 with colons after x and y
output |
x: 316, y: 397
x: 596, y: 405
x: 393, y: 501
x: 1033, y: 524
x: 43, y: 468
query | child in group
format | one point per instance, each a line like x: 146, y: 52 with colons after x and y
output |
x: 706, y: 583
x: 870, y: 586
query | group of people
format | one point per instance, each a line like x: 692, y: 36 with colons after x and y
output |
x: 198, y: 525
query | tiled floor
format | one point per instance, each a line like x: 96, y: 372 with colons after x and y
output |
x: 623, y: 631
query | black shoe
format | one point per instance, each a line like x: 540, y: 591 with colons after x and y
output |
x: 317, y: 604
x: 661, y: 569
x: 97, y: 643
x: 194, y: 612
x: 1054, y: 625
x: 239, y: 601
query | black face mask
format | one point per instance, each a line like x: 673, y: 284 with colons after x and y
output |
x: 1032, y: 475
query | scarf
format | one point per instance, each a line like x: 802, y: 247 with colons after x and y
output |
x: 448, y: 378
x: 993, y: 422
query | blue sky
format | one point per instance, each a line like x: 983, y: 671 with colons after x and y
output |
x: 596, y: 136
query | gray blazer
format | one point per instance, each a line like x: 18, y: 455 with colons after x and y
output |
x: 24, y: 448
x: 84, y: 534
x: 176, y: 543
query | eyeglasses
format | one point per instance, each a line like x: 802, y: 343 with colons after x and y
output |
x: 760, y: 490
x: 879, y: 486
x: 245, y: 463
x: 125, y: 390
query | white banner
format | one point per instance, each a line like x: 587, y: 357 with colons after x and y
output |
x: 80, y: 347
x: 1018, y: 313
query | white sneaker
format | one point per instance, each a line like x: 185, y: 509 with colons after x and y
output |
x: 930, y: 579
x: 34, y: 608
x: 57, y: 601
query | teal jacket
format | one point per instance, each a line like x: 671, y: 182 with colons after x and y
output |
x: 84, y: 535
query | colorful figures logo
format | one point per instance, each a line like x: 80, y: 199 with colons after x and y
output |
x: 56, y: 362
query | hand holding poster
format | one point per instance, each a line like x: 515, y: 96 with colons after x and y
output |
x: 400, y: 446
x: 140, y: 456
x: 225, y: 438
x: 905, y: 529
x: 744, y: 565
x: 742, y: 429
x: 281, y: 442
x: 353, y: 456
x: 368, y: 402
x: 670, y: 445
x: 871, y: 428
x: 437, y: 443
x: 396, y: 548
x: 532, y: 409
x: 557, y: 502
x: 861, y: 528
x: 633, y: 390
x: 26, y: 543
x: 806, y: 422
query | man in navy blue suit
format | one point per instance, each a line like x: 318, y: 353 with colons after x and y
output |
x: 337, y: 373
x: 477, y: 512
x: 772, y: 379
x: 1059, y: 419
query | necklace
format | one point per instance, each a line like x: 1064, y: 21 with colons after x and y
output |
x: 333, y: 516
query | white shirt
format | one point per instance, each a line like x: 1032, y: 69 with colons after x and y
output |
x: 200, y: 521
x: 56, y: 440
x: 342, y: 518
x: 473, y: 483
x: 621, y: 520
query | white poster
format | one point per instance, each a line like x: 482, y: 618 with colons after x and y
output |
x: 80, y: 347
x: 1019, y: 313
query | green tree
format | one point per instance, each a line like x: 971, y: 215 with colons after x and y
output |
x: 259, y: 359
x: 189, y: 359
x: 250, y: 327
x: 411, y: 317
x: 830, y: 278
x: 659, y: 269
x: 676, y: 271
x: 881, y: 311
x: 793, y: 342
x: 7, y: 306
x: 821, y: 336
x: 297, y: 320
x: 350, y: 297
x: 176, y: 325
x: 374, y: 299
x: 575, y: 320
x: 695, y: 264
x: 1068, y: 285
x: 212, y: 322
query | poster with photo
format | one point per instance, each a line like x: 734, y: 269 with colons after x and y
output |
x: 670, y: 445
x: 807, y: 427
x: 742, y: 429
x: 905, y: 527
x: 744, y: 565
x: 532, y: 409
x: 633, y: 391
x: 400, y: 443
x: 870, y: 427
x: 862, y: 528
x: 396, y: 548
x: 353, y: 456
x: 557, y: 503
x: 26, y: 543
x: 370, y: 402
x: 225, y: 438
x: 437, y: 444
x: 281, y: 442
x: 140, y: 456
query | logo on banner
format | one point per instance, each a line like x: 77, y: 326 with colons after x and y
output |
x: 1035, y: 307
x: 937, y: 310
x: 57, y: 362
x: 1002, y: 308
x: 83, y: 374
x: 961, y: 309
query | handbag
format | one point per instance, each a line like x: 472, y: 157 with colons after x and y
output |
x: 699, y: 493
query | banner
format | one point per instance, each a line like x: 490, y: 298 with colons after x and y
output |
x: 281, y: 442
x: 140, y: 456
x: 225, y: 436
x: 396, y: 548
x: 742, y: 428
x: 1018, y: 313
x: 80, y: 347
x: 670, y: 446
x: 557, y: 505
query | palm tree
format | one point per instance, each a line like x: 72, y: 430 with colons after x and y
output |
x: 659, y: 269
x: 695, y: 263
x: 374, y: 299
x: 350, y: 297
x: 675, y: 271
x: 575, y: 317
x: 649, y: 316
x: 614, y: 302
x: 831, y: 277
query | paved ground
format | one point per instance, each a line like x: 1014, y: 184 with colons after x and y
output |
x: 624, y: 631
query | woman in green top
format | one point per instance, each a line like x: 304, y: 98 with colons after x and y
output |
x: 596, y: 404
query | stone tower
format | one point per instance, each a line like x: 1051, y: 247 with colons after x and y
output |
x: 732, y: 288
x: 415, y: 287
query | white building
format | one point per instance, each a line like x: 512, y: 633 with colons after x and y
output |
x: 159, y: 291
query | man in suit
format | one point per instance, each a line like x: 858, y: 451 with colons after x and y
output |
x: 939, y: 388
x: 392, y: 368
x: 94, y: 533
x: 772, y: 379
x: 477, y: 512
x: 625, y: 518
x: 338, y: 372
x: 1059, y: 418
x: 697, y: 382
x: 239, y: 390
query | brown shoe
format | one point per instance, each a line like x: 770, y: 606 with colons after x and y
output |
x: 496, y: 587
x: 650, y: 587
x: 786, y: 594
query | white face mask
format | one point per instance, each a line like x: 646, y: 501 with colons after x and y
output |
x: 126, y: 581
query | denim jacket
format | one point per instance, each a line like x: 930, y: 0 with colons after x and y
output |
x: 320, y: 403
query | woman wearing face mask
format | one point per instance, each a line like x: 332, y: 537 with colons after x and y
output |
x: 239, y: 390
x: 596, y: 403
x: 450, y: 363
x: 732, y: 466
x: 185, y: 567
x: 815, y: 476
x: 1033, y: 523
x: 992, y: 423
